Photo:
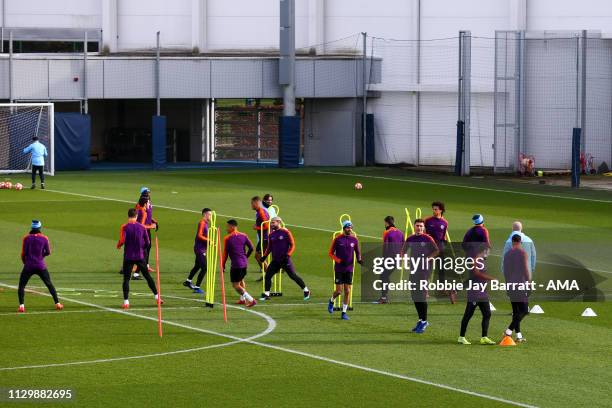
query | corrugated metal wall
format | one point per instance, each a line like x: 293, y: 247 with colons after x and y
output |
x: 61, y: 78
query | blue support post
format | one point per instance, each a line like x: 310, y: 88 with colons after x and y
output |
x: 289, y: 142
x: 158, y: 134
x: 576, y: 157
x: 460, y: 148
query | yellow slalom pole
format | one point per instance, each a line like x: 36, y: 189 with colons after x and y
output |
x: 408, y: 223
x: 410, y: 227
x: 211, y: 259
x: 278, y: 278
x: 215, y: 257
x: 417, y: 215
x: 208, y: 272
x: 343, y: 217
x: 209, y: 235
x: 350, y: 304
x: 277, y: 288
x: 448, y: 239
x: 338, y: 302
x: 223, y: 301
x: 263, y: 261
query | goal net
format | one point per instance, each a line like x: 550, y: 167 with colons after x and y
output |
x: 19, y: 123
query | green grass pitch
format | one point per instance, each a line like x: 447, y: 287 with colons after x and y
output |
x: 295, y: 354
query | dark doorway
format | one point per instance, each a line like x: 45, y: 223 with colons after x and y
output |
x: 247, y: 129
x: 121, y: 129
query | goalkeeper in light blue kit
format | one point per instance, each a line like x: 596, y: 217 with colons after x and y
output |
x: 38, y: 152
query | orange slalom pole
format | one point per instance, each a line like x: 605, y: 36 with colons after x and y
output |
x: 222, y: 278
x: 159, y: 311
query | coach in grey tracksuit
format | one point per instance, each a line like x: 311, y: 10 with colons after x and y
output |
x: 526, y: 243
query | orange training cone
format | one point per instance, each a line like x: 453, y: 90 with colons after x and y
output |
x: 507, y: 341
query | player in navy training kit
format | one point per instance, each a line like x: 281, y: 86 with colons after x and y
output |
x: 200, y: 247
x: 437, y: 227
x: 238, y: 247
x: 281, y: 245
x: 393, y: 240
x: 477, y: 298
x: 134, y: 239
x: 344, y: 251
x: 516, y: 271
x: 34, y: 249
x: 423, y: 249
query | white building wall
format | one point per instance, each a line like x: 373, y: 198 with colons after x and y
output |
x: 387, y: 18
x: 139, y: 20
x: 254, y: 25
x: 569, y: 15
x: 250, y: 25
x: 247, y: 24
x: 394, y: 127
x: 243, y: 24
x: 55, y: 14
x: 444, y: 18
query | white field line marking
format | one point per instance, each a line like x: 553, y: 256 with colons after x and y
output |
x: 108, y: 360
x: 290, y: 225
x: 45, y: 201
x: 259, y: 304
x: 463, y: 186
x: 191, y: 211
x: 251, y: 340
x: 271, y: 326
x: 373, y: 370
x: 59, y: 313
x: 115, y: 292
x: 110, y: 292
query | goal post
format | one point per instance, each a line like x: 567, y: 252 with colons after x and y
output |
x: 19, y: 123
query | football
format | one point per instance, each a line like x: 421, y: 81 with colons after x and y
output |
x: 8, y: 185
x: 358, y: 186
x: 2, y: 185
x: 18, y: 186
